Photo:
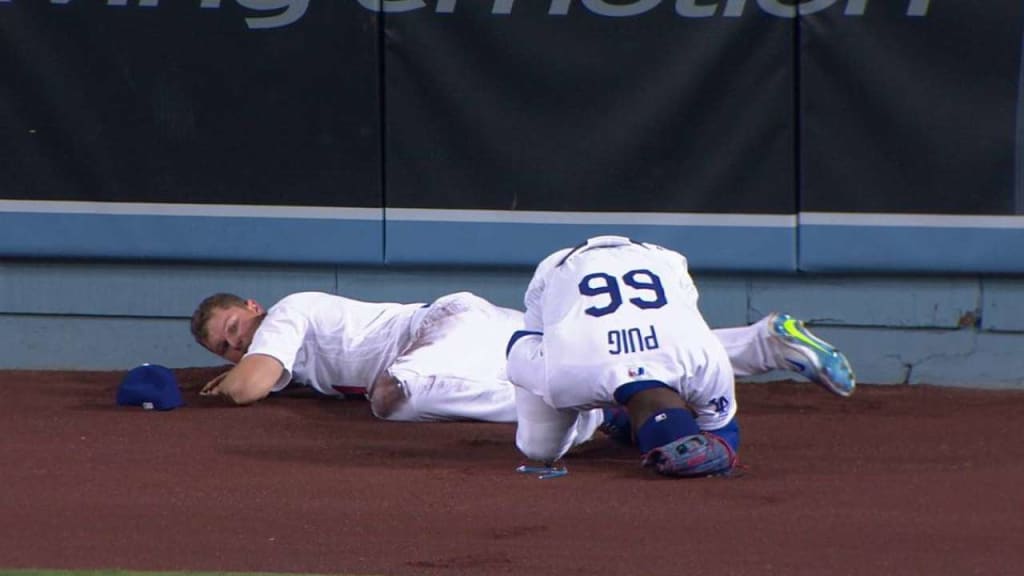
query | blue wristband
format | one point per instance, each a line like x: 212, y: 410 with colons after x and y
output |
x: 665, y: 426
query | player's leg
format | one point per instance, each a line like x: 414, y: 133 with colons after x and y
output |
x: 711, y: 393
x: 749, y: 348
x: 781, y: 342
x: 430, y: 398
x: 713, y: 396
x: 454, y: 369
x: 526, y: 368
x: 387, y: 396
x: 544, y: 434
x: 461, y: 377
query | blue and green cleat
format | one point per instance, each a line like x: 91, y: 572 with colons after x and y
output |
x: 810, y: 356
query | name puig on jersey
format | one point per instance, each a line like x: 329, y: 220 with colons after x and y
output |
x: 629, y: 340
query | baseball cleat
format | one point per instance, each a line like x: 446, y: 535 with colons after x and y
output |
x: 810, y: 356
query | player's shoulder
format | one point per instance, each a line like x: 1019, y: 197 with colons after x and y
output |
x: 664, y: 252
x: 304, y: 301
x: 310, y: 296
x: 564, y: 255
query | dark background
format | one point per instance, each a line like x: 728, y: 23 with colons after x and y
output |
x: 654, y: 112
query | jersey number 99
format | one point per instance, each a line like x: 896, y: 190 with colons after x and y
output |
x: 650, y: 293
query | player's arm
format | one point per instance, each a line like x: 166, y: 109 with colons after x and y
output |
x: 250, y: 381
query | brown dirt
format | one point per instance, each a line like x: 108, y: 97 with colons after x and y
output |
x: 896, y: 480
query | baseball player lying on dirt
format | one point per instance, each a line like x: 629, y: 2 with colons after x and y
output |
x: 614, y: 323
x: 439, y: 361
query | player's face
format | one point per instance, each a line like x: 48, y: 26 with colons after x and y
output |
x: 230, y: 330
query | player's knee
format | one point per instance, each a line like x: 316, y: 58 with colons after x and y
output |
x: 540, y: 447
x: 525, y: 360
x: 386, y: 396
x: 538, y: 452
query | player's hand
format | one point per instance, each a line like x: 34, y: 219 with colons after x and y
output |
x: 212, y: 388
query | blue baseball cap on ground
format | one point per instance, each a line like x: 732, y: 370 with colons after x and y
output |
x: 151, y: 386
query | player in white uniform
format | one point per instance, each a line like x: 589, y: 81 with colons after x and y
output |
x: 415, y: 362
x: 443, y: 361
x: 613, y: 322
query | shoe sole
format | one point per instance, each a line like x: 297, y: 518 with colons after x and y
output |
x: 829, y: 367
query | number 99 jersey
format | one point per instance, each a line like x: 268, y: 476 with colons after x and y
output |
x: 614, y: 311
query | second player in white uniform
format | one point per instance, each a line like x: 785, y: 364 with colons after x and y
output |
x: 605, y: 321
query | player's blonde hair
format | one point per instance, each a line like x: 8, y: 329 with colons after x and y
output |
x: 205, y: 310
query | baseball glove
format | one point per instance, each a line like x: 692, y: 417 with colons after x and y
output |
x: 697, y: 455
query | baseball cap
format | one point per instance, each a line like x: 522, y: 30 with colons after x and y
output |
x: 151, y: 386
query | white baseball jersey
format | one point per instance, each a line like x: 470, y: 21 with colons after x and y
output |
x: 613, y: 311
x: 331, y: 342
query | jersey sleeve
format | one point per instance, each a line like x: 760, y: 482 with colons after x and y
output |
x: 533, y: 318
x: 679, y: 266
x: 280, y: 336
